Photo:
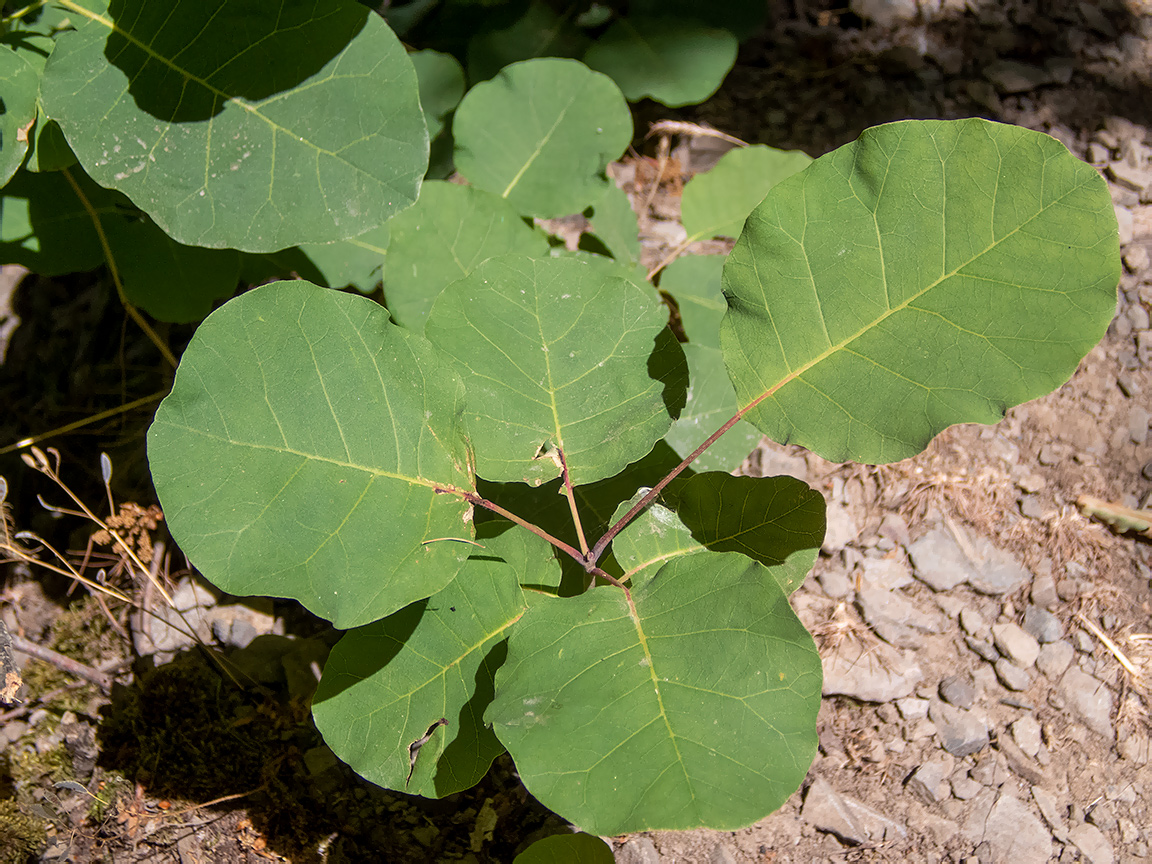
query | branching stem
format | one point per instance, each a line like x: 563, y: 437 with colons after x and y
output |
x: 571, y: 496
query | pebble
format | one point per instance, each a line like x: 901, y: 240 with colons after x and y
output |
x: 885, y: 573
x: 894, y: 618
x: 929, y: 783
x: 850, y: 820
x: 1090, y: 699
x: 1042, y: 624
x: 1137, y: 424
x: 895, y: 527
x: 961, y: 733
x: 1032, y: 507
x: 1092, y: 843
x: 958, y: 690
x: 871, y: 675
x: 1012, y: 676
x: 1046, y: 803
x: 965, y: 788
x: 841, y: 528
x: 911, y: 708
x: 937, y: 560
x: 638, y: 850
x: 835, y: 582
x: 1015, y: 643
x: 984, y: 648
x: 1044, y: 587
x: 1026, y: 734
x: 973, y: 623
x: 1082, y: 642
x: 1013, y: 833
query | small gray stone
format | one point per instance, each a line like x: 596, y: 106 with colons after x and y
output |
x: 1032, y: 507
x: 1082, y: 642
x: 841, y: 528
x: 885, y: 573
x: 1014, y: 643
x: 1103, y: 817
x: 1090, y: 699
x: 1126, y: 222
x: 878, y: 675
x: 1137, y: 424
x: 895, y: 527
x: 721, y: 854
x: 1012, y: 676
x: 973, y: 623
x: 984, y: 648
x: 1042, y: 624
x: 895, y: 619
x: 1026, y: 734
x: 1098, y: 154
x: 637, y: 850
x: 1123, y: 174
x: 1092, y: 843
x: 999, y: 572
x: 965, y: 788
x: 1046, y: 802
x: 938, y: 561
x: 929, y: 783
x: 849, y: 819
x: 1055, y: 657
x: 958, y: 690
x: 1044, y: 589
x: 835, y: 582
x: 961, y: 733
x: 1010, y: 829
x: 911, y: 708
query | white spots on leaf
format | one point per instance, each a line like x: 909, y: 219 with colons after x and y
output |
x: 644, y: 661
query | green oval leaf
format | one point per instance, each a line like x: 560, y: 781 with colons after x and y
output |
x: 558, y: 355
x: 716, y: 203
x: 20, y: 84
x: 539, y: 32
x: 777, y: 521
x: 693, y: 704
x: 675, y: 62
x: 569, y: 849
x: 232, y: 127
x: 541, y: 134
x: 387, y: 685
x: 45, y: 227
x: 711, y: 402
x: 931, y: 273
x: 300, y: 452
x: 449, y: 231
x: 441, y: 80
x: 170, y: 281
x: 358, y: 262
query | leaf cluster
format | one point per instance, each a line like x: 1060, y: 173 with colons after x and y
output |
x: 488, y: 480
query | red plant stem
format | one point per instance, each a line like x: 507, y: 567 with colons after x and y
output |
x: 571, y: 496
x: 603, y: 542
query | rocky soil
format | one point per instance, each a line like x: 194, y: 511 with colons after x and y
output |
x: 974, y: 624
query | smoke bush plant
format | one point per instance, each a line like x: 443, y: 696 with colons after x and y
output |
x: 487, y: 483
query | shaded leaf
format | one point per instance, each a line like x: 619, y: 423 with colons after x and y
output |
x: 711, y: 402
x: 558, y: 354
x: 742, y: 17
x: 675, y: 62
x: 231, y: 127
x: 441, y: 79
x: 358, y: 262
x: 300, y: 452
x: 716, y: 203
x: 20, y: 84
x: 692, y: 705
x: 44, y: 227
x: 541, y: 134
x: 448, y: 232
x: 539, y: 32
x: 931, y: 273
x: 694, y: 282
x: 570, y: 848
x: 168, y: 280
x: 614, y: 224
x: 388, y: 682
